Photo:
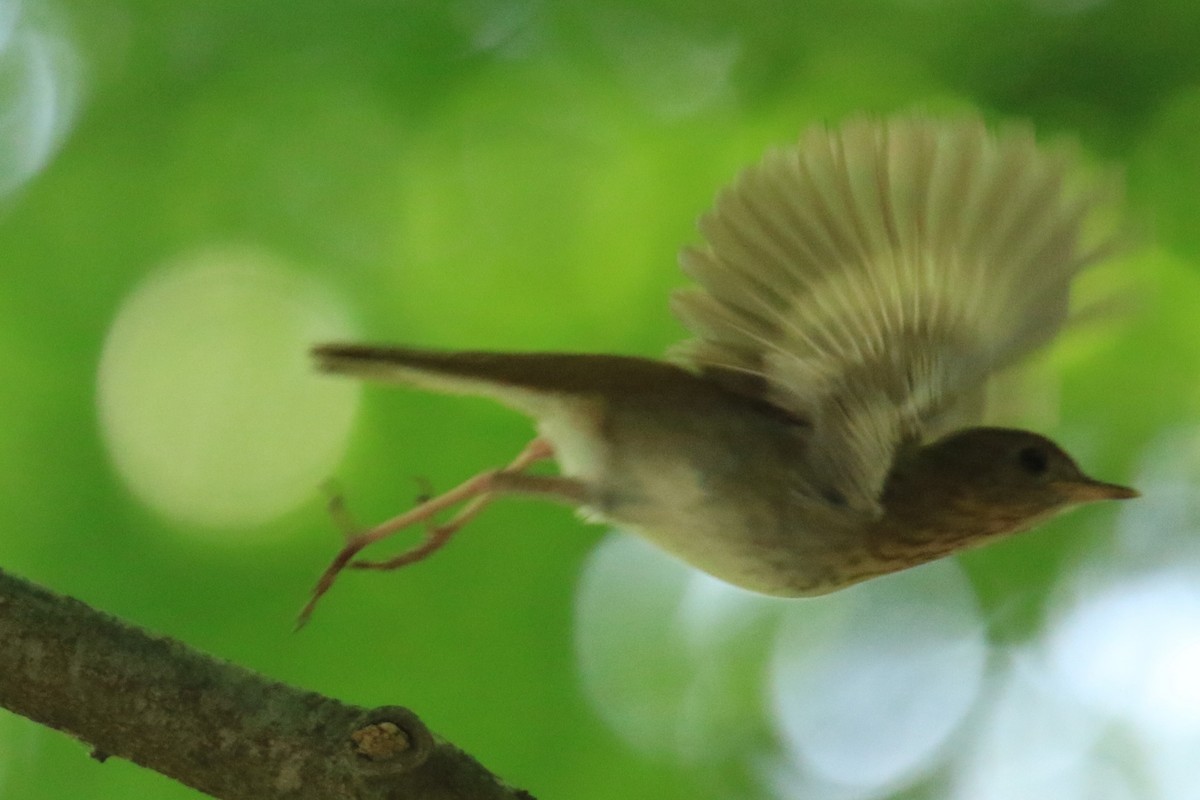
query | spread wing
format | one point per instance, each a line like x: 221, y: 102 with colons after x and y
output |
x: 869, y: 279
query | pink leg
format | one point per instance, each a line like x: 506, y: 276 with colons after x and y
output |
x: 480, y: 490
x: 438, y: 535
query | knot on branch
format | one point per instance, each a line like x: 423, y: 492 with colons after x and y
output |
x: 389, y: 740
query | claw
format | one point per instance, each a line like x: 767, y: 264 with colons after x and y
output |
x: 339, y: 512
x: 425, y: 489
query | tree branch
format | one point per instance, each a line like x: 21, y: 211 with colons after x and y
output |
x: 212, y: 725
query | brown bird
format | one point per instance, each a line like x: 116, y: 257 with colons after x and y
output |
x: 855, y: 292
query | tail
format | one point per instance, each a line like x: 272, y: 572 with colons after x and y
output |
x: 524, y: 381
x: 490, y: 375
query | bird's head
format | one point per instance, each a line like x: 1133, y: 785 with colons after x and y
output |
x: 979, y: 483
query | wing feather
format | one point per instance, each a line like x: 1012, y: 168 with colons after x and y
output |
x: 871, y: 278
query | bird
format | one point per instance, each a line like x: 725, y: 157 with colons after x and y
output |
x: 851, y: 296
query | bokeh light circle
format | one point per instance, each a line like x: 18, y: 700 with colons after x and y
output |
x: 1131, y: 649
x: 207, y: 401
x: 39, y: 94
x: 862, y: 689
x: 631, y: 660
x: 1033, y: 741
x: 869, y: 683
x: 670, y: 657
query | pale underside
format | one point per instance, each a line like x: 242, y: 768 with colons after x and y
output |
x: 870, y: 279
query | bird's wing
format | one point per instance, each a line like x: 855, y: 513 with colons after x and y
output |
x: 870, y: 279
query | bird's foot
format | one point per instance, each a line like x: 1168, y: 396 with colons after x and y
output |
x: 477, y: 492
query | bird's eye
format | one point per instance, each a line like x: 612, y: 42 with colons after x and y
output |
x: 1033, y: 460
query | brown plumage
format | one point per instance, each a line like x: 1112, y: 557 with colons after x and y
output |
x: 854, y: 293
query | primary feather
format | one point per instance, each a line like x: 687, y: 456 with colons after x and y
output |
x: 869, y: 279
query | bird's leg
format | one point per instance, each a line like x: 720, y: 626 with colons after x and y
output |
x: 484, y: 489
x: 480, y: 490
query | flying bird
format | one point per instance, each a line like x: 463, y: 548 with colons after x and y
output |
x: 853, y: 294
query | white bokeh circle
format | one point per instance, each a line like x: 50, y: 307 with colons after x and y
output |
x: 668, y: 656
x: 207, y: 400
x: 863, y: 688
x: 868, y: 684
x: 39, y: 91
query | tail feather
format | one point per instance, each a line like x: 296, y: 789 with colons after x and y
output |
x: 451, y: 373
x: 517, y: 379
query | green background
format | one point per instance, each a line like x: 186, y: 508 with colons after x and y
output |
x: 507, y: 175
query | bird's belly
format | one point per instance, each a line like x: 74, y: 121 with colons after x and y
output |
x: 717, y: 519
x: 668, y: 505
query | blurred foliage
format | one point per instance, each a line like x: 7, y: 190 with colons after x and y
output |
x: 502, y: 173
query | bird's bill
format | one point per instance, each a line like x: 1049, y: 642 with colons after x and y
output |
x: 1089, y: 490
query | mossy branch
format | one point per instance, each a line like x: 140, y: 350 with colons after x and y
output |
x: 212, y: 725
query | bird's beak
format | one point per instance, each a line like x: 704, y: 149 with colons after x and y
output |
x: 1088, y: 490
